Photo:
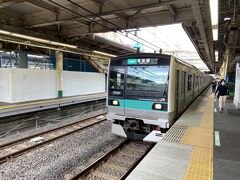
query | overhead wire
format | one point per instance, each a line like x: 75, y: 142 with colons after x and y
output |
x: 108, y: 21
x: 91, y: 20
x: 135, y: 8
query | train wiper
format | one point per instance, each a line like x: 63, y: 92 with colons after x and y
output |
x: 165, y: 90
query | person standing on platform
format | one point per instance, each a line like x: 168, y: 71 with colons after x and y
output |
x: 214, y: 84
x: 222, y: 93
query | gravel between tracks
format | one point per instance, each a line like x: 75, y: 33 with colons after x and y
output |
x: 60, y: 158
x: 50, y: 126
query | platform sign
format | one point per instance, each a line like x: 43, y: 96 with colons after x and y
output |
x: 137, y: 45
x: 132, y: 61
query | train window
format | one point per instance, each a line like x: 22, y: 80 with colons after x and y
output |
x: 196, y: 81
x: 147, y: 78
x: 189, y: 82
x: 116, y: 78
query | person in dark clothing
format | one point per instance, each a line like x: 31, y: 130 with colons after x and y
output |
x: 214, y: 84
x: 222, y: 93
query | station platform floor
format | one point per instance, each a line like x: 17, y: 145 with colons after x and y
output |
x: 9, y: 109
x: 188, y: 150
x: 227, y: 147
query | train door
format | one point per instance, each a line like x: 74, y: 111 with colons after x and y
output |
x: 177, y: 92
x: 184, y: 89
x: 193, y: 86
x: 197, y: 85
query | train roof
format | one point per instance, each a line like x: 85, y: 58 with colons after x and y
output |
x: 155, y: 55
x: 141, y: 55
x: 186, y: 64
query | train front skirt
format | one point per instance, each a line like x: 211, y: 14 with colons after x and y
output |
x: 154, y: 136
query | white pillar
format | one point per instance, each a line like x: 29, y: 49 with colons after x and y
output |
x: 237, y: 86
x: 59, y: 70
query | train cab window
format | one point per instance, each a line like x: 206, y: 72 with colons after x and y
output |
x: 147, y: 78
x: 189, y: 82
x: 116, y: 81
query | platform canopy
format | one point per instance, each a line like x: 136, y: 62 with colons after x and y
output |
x: 74, y: 21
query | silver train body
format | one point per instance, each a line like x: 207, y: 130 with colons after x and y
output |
x: 147, y: 92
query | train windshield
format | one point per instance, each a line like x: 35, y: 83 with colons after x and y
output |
x: 147, y: 78
x: 116, y: 80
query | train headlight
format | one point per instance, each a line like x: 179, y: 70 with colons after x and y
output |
x: 115, y: 102
x: 157, y: 106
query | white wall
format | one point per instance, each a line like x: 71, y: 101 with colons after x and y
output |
x: 32, y: 84
x: 79, y: 83
x: 237, y: 86
x: 17, y: 85
x: 5, y: 85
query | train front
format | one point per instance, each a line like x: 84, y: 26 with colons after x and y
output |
x: 138, y: 96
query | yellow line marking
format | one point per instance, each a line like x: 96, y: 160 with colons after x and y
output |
x: 200, y: 166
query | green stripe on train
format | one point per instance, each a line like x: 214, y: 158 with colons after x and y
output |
x: 137, y: 104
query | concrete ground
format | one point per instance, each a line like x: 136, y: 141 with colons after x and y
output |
x: 227, y: 152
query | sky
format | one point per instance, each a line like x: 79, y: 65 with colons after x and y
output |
x: 172, y: 39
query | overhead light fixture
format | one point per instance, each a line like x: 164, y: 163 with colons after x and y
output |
x: 215, y: 34
x: 45, y: 47
x: 103, y: 53
x: 216, y: 55
x: 37, y: 39
x: 227, y: 18
x: 42, y: 46
x: 214, y: 18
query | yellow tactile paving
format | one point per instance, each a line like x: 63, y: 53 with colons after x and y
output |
x: 207, y: 121
x: 201, y: 137
x: 200, y: 166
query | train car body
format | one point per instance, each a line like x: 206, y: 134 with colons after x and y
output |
x: 148, y: 91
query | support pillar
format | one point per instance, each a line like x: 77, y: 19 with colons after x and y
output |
x: 22, y: 60
x: 59, y: 70
x: 0, y: 60
x: 237, y: 86
x: 225, y: 64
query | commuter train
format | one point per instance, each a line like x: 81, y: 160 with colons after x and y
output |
x: 148, y: 91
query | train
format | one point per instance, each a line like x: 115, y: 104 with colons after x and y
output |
x: 147, y: 92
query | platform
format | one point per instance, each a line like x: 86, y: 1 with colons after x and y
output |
x: 186, y: 151
x: 9, y: 109
x: 227, y: 148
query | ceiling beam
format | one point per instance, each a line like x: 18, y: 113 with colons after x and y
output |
x: 76, y: 19
x: 171, y: 10
x: 158, y: 18
x: 98, y: 2
x: 202, y: 29
x: 199, y: 47
x: 5, y: 3
x: 130, y: 18
x: 142, y: 7
x: 4, y: 14
x: 44, y: 5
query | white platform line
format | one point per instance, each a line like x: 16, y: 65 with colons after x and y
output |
x: 215, y: 109
x: 217, y: 139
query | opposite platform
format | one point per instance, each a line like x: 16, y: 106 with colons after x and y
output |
x: 7, y: 109
x: 186, y: 151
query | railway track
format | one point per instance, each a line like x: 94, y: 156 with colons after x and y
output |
x: 20, y: 146
x: 118, y: 163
